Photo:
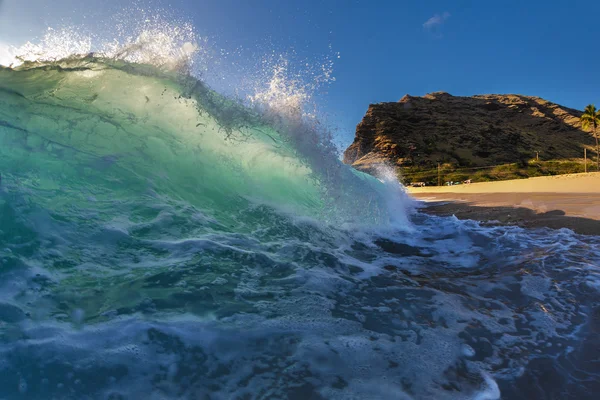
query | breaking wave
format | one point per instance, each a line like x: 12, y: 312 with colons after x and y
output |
x: 161, y: 240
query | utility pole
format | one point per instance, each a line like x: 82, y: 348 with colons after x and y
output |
x: 585, y: 159
x: 439, y: 176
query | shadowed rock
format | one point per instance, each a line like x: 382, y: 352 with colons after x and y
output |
x: 466, y: 131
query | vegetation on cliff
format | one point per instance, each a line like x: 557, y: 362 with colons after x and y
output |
x: 477, y: 133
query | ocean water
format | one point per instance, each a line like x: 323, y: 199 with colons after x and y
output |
x: 159, y: 240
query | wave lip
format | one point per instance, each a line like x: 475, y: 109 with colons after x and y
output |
x: 157, y: 237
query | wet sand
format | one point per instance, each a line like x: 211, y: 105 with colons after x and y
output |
x: 565, y: 201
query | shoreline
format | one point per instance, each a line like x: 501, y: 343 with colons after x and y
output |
x: 564, y: 201
x: 588, y: 182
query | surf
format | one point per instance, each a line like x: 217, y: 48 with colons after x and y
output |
x: 158, y: 238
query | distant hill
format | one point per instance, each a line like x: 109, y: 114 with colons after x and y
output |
x: 472, y: 131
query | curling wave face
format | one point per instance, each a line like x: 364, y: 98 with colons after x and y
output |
x: 159, y: 240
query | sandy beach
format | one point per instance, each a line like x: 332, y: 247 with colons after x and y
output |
x: 564, y: 201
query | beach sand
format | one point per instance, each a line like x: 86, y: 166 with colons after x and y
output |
x: 564, y: 201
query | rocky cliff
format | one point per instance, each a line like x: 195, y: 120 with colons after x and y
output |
x: 466, y: 131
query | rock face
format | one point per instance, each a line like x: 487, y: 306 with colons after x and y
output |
x: 466, y: 131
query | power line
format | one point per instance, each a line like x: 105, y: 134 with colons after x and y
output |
x: 434, y: 171
x: 439, y: 172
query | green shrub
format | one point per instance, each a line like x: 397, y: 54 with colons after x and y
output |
x: 521, y: 170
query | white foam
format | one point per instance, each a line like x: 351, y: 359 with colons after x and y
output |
x: 468, y: 351
x: 7, y: 55
x: 491, y: 392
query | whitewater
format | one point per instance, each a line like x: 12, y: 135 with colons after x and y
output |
x: 161, y: 240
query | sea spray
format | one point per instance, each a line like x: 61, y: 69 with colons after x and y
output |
x: 160, y: 239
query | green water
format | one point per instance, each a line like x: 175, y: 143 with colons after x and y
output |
x: 159, y: 240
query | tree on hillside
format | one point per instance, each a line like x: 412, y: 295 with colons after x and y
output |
x: 591, y: 119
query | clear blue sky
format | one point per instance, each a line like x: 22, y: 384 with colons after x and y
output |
x: 388, y: 48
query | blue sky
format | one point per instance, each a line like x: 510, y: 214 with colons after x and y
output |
x: 387, y: 48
